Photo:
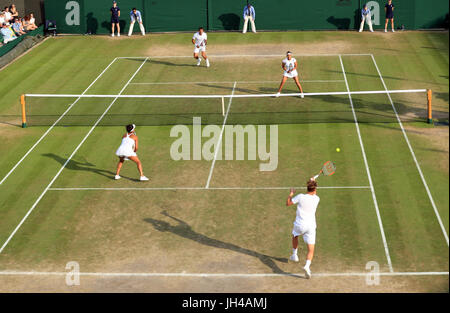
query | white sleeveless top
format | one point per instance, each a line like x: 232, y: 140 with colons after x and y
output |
x: 126, y: 148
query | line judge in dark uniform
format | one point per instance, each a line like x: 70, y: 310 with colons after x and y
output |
x: 389, y: 9
x: 115, y: 14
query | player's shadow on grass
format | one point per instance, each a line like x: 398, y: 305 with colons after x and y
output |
x: 80, y: 166
x: 184, y: 230
x: 230, y: 88
x: 172, y: 64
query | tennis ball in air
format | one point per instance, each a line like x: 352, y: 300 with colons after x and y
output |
x: 338, y: 150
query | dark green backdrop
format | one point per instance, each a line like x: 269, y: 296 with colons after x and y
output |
x: 81, y: 16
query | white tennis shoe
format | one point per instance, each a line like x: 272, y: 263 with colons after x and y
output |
x: 302, y: 96
x: 143, y: 178
x: 198, y: 62
x: 117, y: 177
x: 307, y: 272
x: 112, y: 35
x: 277, y: 95
x: 294, y: 258
x: 393, y: 31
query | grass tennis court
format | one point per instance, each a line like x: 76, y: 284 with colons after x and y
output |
x: 239, y: 225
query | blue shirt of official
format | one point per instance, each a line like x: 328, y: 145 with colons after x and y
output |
x: 365, y: 12
x: 137, y: 16
x: 250, y: 12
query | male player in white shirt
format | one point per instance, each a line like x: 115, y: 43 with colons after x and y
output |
x: 135, y: 15
x: 289, y: 65
x: 200, y: 40
x: 305, y: 222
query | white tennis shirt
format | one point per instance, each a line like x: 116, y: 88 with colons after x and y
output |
x: 200, y: 39
x: 306, y: 209
x: 290, y: 64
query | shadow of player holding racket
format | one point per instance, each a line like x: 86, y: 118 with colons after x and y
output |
x: 80, y: 166
x: 185, y: 230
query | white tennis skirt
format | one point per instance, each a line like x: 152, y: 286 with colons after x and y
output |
x: 125, y: 151
x: 292, y: 74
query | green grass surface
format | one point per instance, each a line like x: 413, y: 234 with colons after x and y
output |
x: 226, y: 231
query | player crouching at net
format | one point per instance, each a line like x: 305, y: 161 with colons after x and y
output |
x: 289, y: 65
x: 200, y: 40
x: 305, y: 222
x: 127, y: 151
x: 136, y: 15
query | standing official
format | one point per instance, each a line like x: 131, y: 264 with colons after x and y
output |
x: 249, y: 14
x: 366, y: 17
x: 115, y: 14
x: 389, y: 8
x: 136, y: 15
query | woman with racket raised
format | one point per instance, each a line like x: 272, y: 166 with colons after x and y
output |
x: 305, y: 222
x: 127, y: 151
x: 289, y: 65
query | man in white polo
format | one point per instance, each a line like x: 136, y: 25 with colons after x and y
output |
x: 305, y: 222
x: 366, y: 17
x: 135, y: 15
x: 200, y: 40
x: 249, y: 14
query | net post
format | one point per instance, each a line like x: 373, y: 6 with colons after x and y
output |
x: 24, y: 115
x: 223, y: 107
x: 429, y: 108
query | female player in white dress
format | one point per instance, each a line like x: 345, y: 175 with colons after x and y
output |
x: 127, y: 151
x: 289, y: 65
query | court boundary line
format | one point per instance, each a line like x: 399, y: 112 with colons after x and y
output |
x: 194, y: 188
x: 436, y: 212
x: 219, y: 141
x: 221, y: 275
x: 380, y: 222
x: 55, y: 123
x: 67, y: 161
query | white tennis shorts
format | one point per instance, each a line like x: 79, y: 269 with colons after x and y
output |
x: 202, y: 49
x: 308, y: 232
x: 292, y: 74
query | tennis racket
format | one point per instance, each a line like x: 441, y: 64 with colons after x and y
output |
x: 328, y: 169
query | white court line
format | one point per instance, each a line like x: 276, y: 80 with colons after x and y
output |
x: 196, y: 188
x: 240, y: 82
x: 383, y: 236
x: 222, y: 275
x: 413, y: 155
x: 219, y: 141
x: 56, y: 122
x: 247, y: 55
x: 68, y: 160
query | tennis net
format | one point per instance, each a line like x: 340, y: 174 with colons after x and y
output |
x: 290, y: 108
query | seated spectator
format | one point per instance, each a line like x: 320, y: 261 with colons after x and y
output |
x: 13, y: 11
x: 28, y: 23
x: 2, y: 18
x: 7, y: 33
x: 8, y: 15
x: 17, y: 27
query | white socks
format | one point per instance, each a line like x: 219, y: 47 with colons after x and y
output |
x: 207, y: 62
x: 308, y: 263
x: 294, y: 251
